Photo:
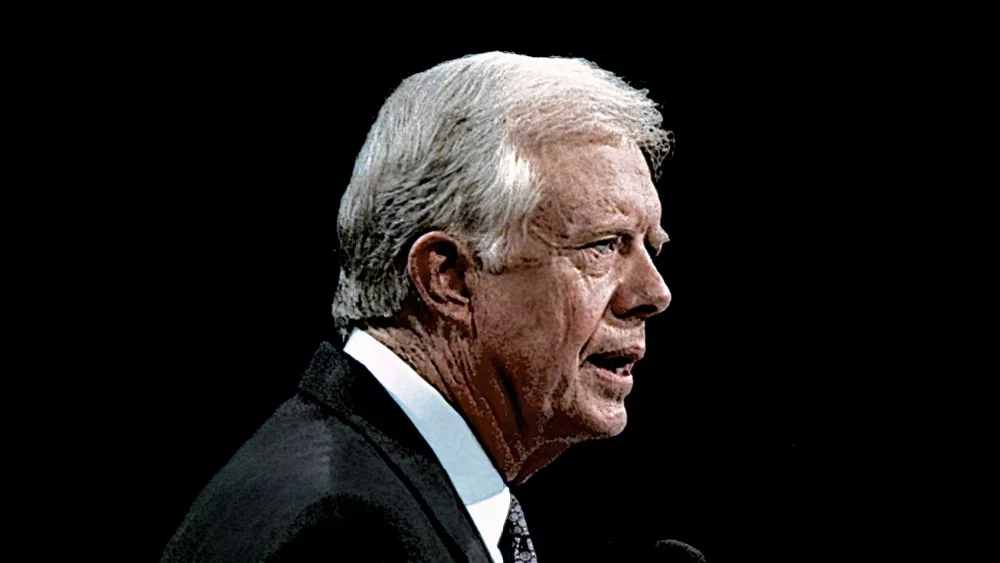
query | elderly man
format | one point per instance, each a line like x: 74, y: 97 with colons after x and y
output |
x: 496, y: 243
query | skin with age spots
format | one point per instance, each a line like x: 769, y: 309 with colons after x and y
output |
x: 538, y: 357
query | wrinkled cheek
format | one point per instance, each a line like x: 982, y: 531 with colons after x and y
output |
x: 567, y: 395
x: 540, y: 324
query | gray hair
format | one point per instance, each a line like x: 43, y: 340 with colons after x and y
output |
x: 451, y: 151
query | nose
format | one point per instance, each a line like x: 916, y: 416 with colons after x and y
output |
x: 643, y: 293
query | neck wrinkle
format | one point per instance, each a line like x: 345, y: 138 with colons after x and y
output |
x: 447, y: 365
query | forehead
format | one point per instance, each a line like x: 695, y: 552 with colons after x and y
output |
x: 590, y: 185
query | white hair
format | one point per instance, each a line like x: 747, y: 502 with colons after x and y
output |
x: 451, y: 151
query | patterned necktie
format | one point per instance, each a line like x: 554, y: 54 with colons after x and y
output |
x: 515, y: 544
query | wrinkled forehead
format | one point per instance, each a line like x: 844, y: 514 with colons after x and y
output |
x: 592, y: 181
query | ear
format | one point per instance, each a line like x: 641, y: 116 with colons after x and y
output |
x: 438, y: 264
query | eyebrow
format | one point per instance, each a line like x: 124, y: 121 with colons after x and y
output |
x: 658, y: 238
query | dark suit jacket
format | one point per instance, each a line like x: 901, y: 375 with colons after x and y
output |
x: 338, y: 473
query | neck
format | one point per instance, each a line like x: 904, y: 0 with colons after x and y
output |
x: 449, y: 363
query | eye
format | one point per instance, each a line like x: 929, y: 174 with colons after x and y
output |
x: 606, y: 246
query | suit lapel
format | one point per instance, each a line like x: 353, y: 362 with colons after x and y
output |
x: 346, y: 386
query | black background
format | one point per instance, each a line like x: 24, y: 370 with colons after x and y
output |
x: 236, y: 145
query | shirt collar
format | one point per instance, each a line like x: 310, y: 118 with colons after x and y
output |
x: 470, y: 469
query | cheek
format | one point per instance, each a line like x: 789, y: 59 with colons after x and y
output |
x: 525, y: 323
x: 560, y: 313
x: 589, y: 304
x: 525, y: 304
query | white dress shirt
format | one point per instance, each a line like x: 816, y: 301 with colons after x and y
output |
x: 478, y: 483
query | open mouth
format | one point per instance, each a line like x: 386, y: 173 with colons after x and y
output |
x: 618, y: 365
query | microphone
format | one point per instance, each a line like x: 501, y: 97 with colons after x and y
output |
x: 673, y: 551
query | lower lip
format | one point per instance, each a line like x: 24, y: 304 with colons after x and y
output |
x: 623, y: 381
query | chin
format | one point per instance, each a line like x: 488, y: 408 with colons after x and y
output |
x: 588, y: 421
x: 606, y: 422
x: 617, y: 425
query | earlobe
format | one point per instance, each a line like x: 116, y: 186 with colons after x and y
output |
x: 438, y: 264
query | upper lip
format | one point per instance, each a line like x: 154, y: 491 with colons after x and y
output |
x: 633, y: 353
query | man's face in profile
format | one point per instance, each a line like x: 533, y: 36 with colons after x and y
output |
x: 565, y: 322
